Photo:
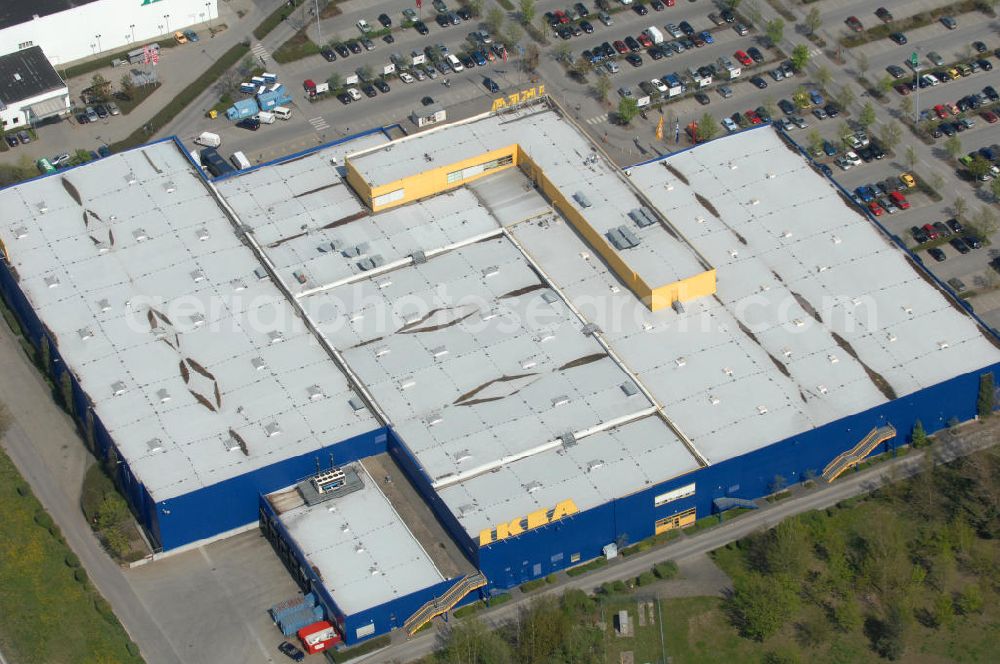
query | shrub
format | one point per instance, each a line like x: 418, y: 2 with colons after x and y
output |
x: 645, y: 579
x: 117, y: 541
x: 23, y: 490
x: 665, y: 570
x: 132, y: 649
x: 72, y: 561
x: 551, y: 578
x: 618, y: 586
x: 80, y: 575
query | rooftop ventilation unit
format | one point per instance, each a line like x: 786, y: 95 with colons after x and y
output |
x: 328, y: 480
x: 275, y: 337
x: 629, y: 389
x: 382, y: 350
x: 590, y: 329
x: 622, y: 238
x: 257, y: 363
x: 406, y: 383
x: 42, y: 207
x: 532, y: 487
x: 356, y: 404
x: 677, y: 306
x: 462, y: 455
x: 822, y: 389
x: 568, y: 439
x: 418, y: 257
x: 762, y: 410
x: 439, y: 351
x: 582, y: 199
x: 140, y: 235
x: 20, y: 232
x: 712, y: 399
x: 130, y: 178
x: 117, y: 388
x: 238, y: 285
x: 169, y: 187
x: 271, y: 429
x: 490, y: 271
x: 383, y: 283
x: 85, y: 333
x: 163, y: 395
x: 433, y: 419
x: 51, y: 281
x: 560, y: 400
x: 154, y: 445
x: 260, y: 273
x: 642, y: 217
x: 550, y: 297
x: 197, y: 276
x: 104, y: 305
x: 594, y: 465
x: 371, y: 262
x: 529, y: 363
x: 315, y: 392
x: 202, y: 234
x: 681, y: 361
x: 230, y: 444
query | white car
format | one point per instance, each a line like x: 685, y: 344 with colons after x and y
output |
x: 844, y: 164
x: 658, y: 84
x: 729, y: 125
x: 364, y: 27
x: 674, y: 31
x: 405, y: 77
x: 611, y: 66
x: 852, y: 158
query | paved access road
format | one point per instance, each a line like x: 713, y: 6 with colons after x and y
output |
x: 973, y: 437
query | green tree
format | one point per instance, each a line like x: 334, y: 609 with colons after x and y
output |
x: 823, y: 77
x: 601, y: 87
x: 628, y: 108
x: 775, y: 30
x: 787, y: 549
x: 953, y: 146
x: 815, y: 140
x: 970, y: 600
x: 471, y: 642
x: 531, y: 56
x: 906, y: 106
x: 732, y: 4
x: 494, y: 20
x: 813, y: 20
x: 475, y: 7
x: 527, y: 13
x: 126, y: 84
x: 561, y: 51
x: 707, y: 127
x: 847, y: 615
x: 987, y: 399
x: 890, y: 637
x: 918, y: 437
x: 800, y: 57
x: 979, y: 167
x: 512, y: 35
x: 911, y: 157
x: 336, y: 81
x: 891, y: 134
x: 845, y: 97
x: 760, y: 605
x: 863, y: 64
x: 867, y: 116
x: 884, y: 84
x: 995, y: 188
x: 112, y: 511
x: 986, y: 222
x: 943, y: 610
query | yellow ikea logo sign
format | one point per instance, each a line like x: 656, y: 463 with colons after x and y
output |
x: 518, y: 97
x: 525, y: 523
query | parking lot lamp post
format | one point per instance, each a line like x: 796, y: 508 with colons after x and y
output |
x: 319, y: 32
x: 98, y: 38
x: 208, y: 8
x: 166, y: 17
x: 132, y: 27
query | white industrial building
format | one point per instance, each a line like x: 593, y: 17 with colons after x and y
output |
x: 71, y: 30
x: 30, y: 89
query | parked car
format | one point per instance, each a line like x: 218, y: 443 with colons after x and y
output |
x: 883, y: 14
x: 291, y: 651
x: 898, y: 37
x: 191, y: 35
x: 854, y: 23
x: 755, y: 54
x: 937, y: 254
x: 385, y: 20
x: 491, y: 85
x: 950, y: 23
x: 253, y: 124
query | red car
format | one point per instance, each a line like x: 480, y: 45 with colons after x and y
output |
x: 644, y: 40
x: 903, y: 89
x: 621, y: 47
x: 561, y: 15
x: 899, y: 200
x: 989, y: 116
x: 932, y: 233
x: 752, y: 117
x: 743, y: 58
x: 941, y: 111
x: 875, y: 208
x: 854, y: 23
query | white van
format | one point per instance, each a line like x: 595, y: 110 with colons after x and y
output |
x: 265, y: 117
x: 281, y: 112
x: 240, y: 161
x: 455, y: 64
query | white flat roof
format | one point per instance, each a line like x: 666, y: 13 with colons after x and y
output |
x: 752, y: 366
x: 569, y: 161
x: 157, y: 309
x: 474, y: 361
x: 364, y: 552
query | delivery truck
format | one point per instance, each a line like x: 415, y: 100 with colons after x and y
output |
x: 208, y: 139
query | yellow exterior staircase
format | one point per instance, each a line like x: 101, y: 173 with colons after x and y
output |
x: 854, y: 456
x: 445, y: 602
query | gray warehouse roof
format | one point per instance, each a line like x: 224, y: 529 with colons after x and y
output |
x: 15, y: 12
x: 169, y: 322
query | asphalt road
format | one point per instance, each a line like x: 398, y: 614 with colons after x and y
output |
x: 700, y: 544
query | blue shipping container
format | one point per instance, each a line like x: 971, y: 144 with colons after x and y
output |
x: 248, y: 88
x: 269, y: 78
x: 268, y: 100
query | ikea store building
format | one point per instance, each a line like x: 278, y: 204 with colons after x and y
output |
x: 438, y: 366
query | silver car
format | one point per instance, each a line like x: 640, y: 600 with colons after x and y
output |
x: 91, y: 114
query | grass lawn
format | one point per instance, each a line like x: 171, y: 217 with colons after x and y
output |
x: 645, y: 644
x: 48, y: 615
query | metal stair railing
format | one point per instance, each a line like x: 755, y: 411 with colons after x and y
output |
x: 856, y: 454
x: 439, y: 605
